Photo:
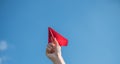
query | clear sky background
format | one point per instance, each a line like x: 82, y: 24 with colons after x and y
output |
x: 91, y: 26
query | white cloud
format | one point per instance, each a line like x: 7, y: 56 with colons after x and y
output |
x: 3, y: 59
x: 3, y: 45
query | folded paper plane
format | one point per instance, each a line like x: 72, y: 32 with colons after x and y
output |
x: 61, y: 40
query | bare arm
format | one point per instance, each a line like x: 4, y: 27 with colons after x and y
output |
x: 53, y: 51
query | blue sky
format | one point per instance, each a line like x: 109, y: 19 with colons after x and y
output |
x: 91, y: 26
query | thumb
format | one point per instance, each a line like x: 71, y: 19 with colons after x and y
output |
x: 56, y: 42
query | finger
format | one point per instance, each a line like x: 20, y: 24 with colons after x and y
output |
x: 56, y: 42
x: 51, y: 45
x: 53, y: 39
x: 50, y: 50
x: 47, y: 51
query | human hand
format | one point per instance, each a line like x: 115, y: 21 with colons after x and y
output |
x: 53, y: 51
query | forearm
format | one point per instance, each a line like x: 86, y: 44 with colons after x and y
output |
x: 59, y: 60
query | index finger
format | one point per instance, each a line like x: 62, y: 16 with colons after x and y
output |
x: 54, y: 40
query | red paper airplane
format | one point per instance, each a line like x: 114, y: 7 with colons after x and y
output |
x: 61, y: 40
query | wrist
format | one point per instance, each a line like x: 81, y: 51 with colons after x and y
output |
x: 59, y: 60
